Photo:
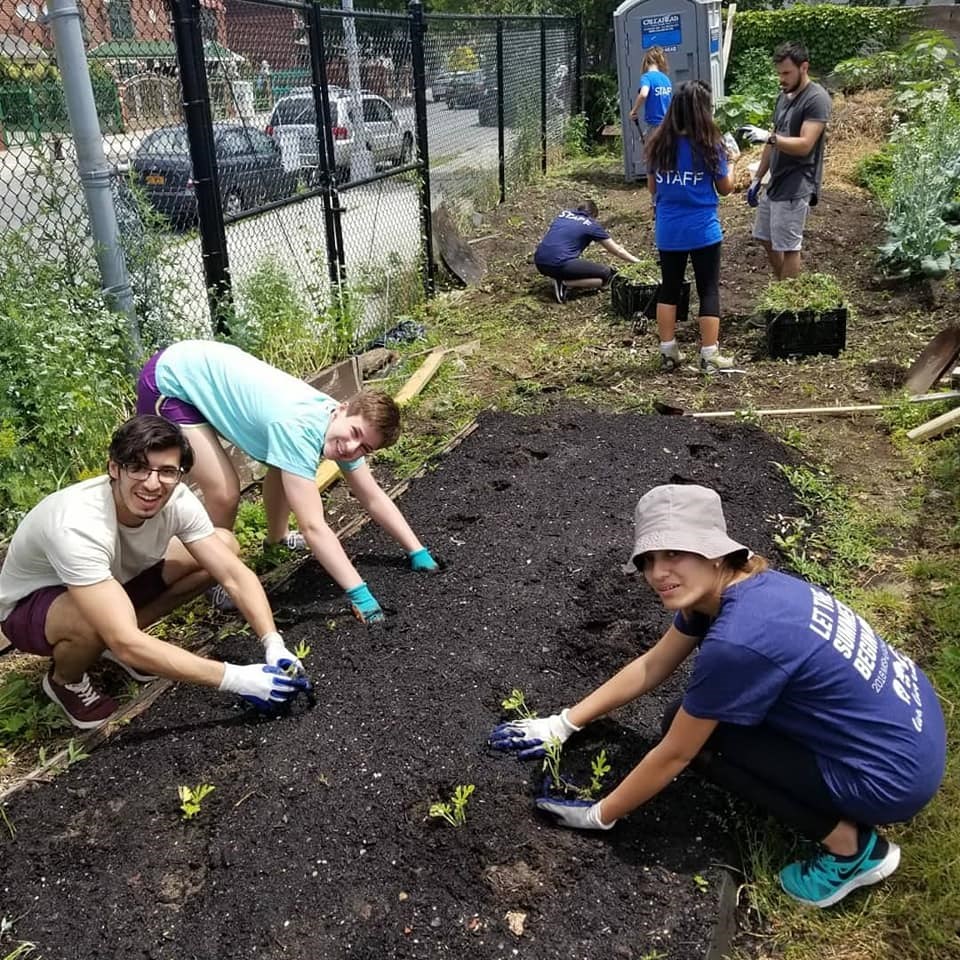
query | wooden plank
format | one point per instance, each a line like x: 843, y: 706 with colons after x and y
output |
x: 727, y: 40
x: 422, y: 377
x: 936, y: 426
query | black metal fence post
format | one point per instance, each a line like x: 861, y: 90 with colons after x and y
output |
x: 321, y: 105
x: 199, y: 122
x: 543, y: 95
x: 501, y: 139
x: 418, y: 29
x: 578, y: 62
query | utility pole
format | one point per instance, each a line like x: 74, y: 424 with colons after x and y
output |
x: 95, y: 172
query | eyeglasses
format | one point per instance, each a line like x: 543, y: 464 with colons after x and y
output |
x: 168, y: 476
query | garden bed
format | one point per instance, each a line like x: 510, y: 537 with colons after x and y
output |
x: 316, y: 841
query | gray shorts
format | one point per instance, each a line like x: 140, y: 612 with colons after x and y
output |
x: 780, y: 222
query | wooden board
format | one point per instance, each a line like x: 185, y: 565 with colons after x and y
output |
x: 936, y: 426
x: 936, y: 358
x: 461, y: 260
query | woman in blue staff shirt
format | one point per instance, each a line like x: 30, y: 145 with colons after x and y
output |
x: 558, y: 254
x: 688, y: 173
x: 793, y: 702
x: 654, y: 90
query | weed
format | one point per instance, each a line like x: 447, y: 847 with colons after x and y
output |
x: 454, y: 812
x: 702, y: 884
x: 302, y: 650
x: 809, y: 291
x: 191, y: 798
x: 22, y: 951
x: 23, y: 716
x: 517, y: 703
x: 75, y: 752
x: 7, y: 822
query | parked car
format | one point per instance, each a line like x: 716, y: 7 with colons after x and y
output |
x: 293, y: 125
x: 440, y: 85
x: 248, y: 162
x: 463, y: 91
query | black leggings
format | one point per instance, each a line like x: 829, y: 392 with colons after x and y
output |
x: 769, y: 769
x: 706, y: 270
x: 576, y: 270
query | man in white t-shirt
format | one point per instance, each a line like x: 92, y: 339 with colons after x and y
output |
x: 94, y: 563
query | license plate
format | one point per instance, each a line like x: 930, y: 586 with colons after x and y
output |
x: 155, y: 179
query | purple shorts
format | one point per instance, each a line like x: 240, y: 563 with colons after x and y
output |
x: 151, y: 400
x: 26, y: 627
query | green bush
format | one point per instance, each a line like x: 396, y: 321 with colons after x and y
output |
x: 926, y: 55
x: 830, y: 32
x: 875, y: 173
x: 63, y: 387
x: 601, y: 102
x: 751, y: 92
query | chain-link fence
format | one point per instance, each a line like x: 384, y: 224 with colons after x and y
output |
x: 311, y: 150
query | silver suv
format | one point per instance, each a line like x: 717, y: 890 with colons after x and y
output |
x: 293, y: 125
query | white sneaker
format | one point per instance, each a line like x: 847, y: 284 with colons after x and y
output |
x: 294, y: 540
x: 132, y: 672
x: 670, y: 360
x: 715, y: 363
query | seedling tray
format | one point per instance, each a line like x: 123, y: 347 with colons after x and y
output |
x: 805, y: 333
x: 633, y: 300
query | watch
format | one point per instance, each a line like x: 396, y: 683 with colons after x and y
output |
x: 772, y: 139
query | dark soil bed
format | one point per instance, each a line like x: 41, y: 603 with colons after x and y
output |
x: 316, y: 843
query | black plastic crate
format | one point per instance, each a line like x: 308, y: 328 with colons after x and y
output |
x: 805, y: 333
x: 633, y: 300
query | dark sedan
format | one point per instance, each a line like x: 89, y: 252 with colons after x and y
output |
x: 248, y: 161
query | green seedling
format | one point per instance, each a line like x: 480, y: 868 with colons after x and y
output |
x: 302, y: 650
x: 75, y: 753
x: 599, y: 768
x: 703, y: 885
x: 191, y: 798
x: 551, y: 759
x: 517, y: 703
x: 454, y: 812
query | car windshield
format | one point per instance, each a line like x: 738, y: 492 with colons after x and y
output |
x: 299, y: 110
x: 165, y: 142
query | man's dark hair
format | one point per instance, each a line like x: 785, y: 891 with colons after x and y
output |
x: 792, y: 50
x: 589, y: 208
x: 139, y: 436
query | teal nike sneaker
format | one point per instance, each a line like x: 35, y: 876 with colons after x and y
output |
x: 825, y: 879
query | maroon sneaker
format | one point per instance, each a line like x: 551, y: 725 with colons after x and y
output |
x: 84, y: 706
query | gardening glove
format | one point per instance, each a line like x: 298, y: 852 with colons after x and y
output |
x: 260, y: 684
x: 753, y: 193
x: 577, y: 814
x: 365, y: 607
x: 422, y: 562
x: 529, y: 737
x: 277, y: 655
x: 754, y: 134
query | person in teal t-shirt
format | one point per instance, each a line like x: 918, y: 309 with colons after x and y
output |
x: 216, y: 390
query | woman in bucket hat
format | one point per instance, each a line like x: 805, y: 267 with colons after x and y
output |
x: 793, y: 702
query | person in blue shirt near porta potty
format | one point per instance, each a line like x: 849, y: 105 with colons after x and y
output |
x: 688, y: 172
x: 216, y: 390
x: 653, y: 92
x: 793, y: 702
x: 558, y: 254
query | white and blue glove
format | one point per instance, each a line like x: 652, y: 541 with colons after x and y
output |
x: 528, y: 738
x: 261, y: 685
x: 276, y: 654
x: 754, y: 134
x: 576, y: 814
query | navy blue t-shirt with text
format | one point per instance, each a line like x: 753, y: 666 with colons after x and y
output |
x: 785, y: 653
x: 568, y: 236
x: 687, y: 201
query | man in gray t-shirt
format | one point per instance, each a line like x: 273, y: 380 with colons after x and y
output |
x: 793, y: 153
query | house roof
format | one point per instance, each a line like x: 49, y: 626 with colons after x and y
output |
x: 158, y: 50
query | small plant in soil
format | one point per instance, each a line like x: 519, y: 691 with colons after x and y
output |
x: 517, y: 703
x: 809, y: 291
x: 191, y: 798
x: 702, y: 884
x: 454, y: 812
x: 599, y: 768
x: 302, y: 650
x: 551, y: 760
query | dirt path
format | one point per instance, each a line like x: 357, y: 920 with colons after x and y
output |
x: 316, y: 842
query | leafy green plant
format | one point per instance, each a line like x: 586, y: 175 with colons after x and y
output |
x: 647, y: 271
x: 24, y: 717
x: 551, y: 759
x: 875, y: 173
x: 599, y: 768
x: 516, y: 703
x: 75, y: 752
x: 454, y: 812
x: 191, y: 798
x: 302, y: 650
x: 702, y: 884
x: 926, y: 55
x: 751, y: 92
x: 809, y: 291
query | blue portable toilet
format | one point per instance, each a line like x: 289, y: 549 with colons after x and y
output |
x: 689, y: 32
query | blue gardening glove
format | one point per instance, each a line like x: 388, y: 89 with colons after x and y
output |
x: 365, y: 607
x: 577, y: 814
x: 753, y: 193
x: 422, y: 562
x: 528, y: 737
x: 260, y: 684
x: 754, y: 134
x: 276, y: 654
